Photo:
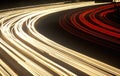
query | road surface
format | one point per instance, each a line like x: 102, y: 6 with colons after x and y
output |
x: 27, y: 52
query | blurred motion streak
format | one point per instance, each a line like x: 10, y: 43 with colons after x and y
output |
x: 36, y: 53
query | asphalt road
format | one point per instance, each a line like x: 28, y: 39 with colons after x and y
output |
x: 52, y: 30
x: 33, y: 53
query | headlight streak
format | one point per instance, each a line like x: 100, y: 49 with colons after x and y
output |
x: 5, y: 70
x: 25, y: 37
x: 18, y: 43
x: 66, y: 50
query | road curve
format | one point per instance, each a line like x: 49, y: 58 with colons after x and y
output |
x: 31, y: 53
x: 94, y: 23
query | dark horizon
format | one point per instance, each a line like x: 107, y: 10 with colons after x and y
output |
x: 19, y: 3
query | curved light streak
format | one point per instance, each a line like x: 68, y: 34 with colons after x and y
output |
x: 32, y: 50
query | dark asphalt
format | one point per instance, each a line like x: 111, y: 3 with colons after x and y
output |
x: 49, y: 27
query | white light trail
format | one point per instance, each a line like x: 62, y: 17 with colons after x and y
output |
x: 32, y: 50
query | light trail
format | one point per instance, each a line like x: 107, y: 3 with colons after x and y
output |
x: 89, y: 23
x: 5, y: 70
x: 38, y: 54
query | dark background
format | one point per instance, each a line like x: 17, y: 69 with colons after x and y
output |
x: 18, y: 3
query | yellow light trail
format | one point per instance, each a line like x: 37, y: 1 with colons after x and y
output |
x: 32, y: 50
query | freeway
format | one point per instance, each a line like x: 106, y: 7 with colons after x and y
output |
x: 25, y: 51
x: 94, y: 25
